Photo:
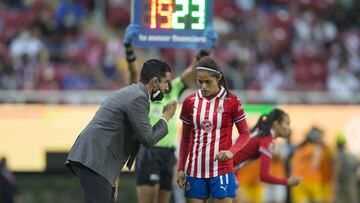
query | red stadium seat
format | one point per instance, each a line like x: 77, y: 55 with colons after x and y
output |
x: 118, y: 16
x: 318, y: 5
x: 281, y: 1
x: 311, y: 74
x: 280, y: 18
x: 61, y: 70
x: 14, y: 22
x: 280, y: 29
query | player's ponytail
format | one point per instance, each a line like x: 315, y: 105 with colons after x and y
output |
x: 259, y: 124
x: 263, y: 125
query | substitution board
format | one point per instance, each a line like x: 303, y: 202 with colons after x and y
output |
x: 173, y: 23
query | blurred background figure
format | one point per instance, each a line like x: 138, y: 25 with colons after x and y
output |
x: 250, y: 189
x: 288, y: 152
x: 345, y: 180
x: 277, y: 193
x: 312, y: 161
x: 68, y: 15
x: 8, y: 188
x: 327, y: 169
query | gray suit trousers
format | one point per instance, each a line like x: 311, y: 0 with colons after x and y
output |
x: 96, y: 188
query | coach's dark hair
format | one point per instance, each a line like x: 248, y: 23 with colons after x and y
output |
x: 208, y: 62
x: 263, y: 125
x: 153, y: 68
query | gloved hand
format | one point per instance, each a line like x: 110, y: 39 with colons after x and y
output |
x: 131, y: 32
x: 211, y: 36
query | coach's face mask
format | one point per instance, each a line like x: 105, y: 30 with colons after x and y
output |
x: 157, y: 95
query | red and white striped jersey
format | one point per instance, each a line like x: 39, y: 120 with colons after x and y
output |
x: 254, y: 148
x: 211, y: 122
x: 259, y: 146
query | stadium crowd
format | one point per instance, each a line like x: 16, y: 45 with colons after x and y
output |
x: 265, y: 45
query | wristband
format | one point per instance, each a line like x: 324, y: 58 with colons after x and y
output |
x: 127, y: 45
x: 130, y: 56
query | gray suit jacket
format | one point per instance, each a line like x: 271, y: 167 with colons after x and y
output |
x: 115, y: 131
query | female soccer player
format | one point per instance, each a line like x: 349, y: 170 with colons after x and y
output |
x: 260, y: 144
x: 208, y: 117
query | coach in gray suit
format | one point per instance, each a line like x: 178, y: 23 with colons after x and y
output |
x: 113, y: 135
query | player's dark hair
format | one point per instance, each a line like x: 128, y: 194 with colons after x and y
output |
x: 209, y: 62
x: 258, y: 123
x: 264, y: 123
x: 153, y: 68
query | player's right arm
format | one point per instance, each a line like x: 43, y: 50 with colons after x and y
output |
x: 131, y: 33
x: 185, y: 141
x: 184, y: 152
x: 130, y: 59
x: 265, y: 163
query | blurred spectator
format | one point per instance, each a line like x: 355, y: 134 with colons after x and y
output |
x: 235, y: 73
x: 111, y: 62
x: 119, y: 2
x: 352, y: 51
x: 9, y: 80
x: 26, y: 43
x: 346, y: 166
x: 270, y: 79
x: 293, y: 45
x: 79, y: 78
x: 46, y: 78
x: 8, y: 189
x: 68, y: 15
x: 28, y: 68
x: 342, y: 83
x: 12, y: 4
x: 245, y: 5
x: 324, y: 31
x: 302, y: 26
x: 45, y: 23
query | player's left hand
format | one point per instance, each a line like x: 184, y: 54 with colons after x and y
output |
x: 293, y: 181
x: 224, y: 155
x: 181, y: 179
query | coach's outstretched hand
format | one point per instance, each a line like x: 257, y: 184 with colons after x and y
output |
x: 293, y: 181
x: 169, y: 110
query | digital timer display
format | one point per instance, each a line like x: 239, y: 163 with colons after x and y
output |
x: 174, y: 14
x: 173, y: 23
